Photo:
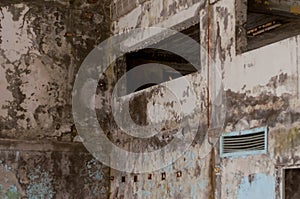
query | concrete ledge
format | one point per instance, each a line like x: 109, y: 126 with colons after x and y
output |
x: 40, y: 145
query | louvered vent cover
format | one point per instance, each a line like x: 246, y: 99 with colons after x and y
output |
x: 246, y: 142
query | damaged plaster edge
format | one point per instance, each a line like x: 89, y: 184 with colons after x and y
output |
x: 181, y: 17
x: 155, y: 36
x: 191, y: 77
x: 128, y: 21
x: 177, y: 20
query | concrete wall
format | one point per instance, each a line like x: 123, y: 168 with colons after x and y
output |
x: 262, y: 89
x: 42, y: 46
x: 50, y: 170
x: 163, y: 111
x: 196, y: 166
x: 262, y: 93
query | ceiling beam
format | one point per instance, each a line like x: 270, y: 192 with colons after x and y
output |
x: 275, y: 7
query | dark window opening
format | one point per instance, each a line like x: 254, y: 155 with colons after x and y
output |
x: 291, y: 183
x: 153, y: 74
x: 265, y: 22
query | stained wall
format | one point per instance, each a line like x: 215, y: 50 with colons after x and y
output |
x: 42, y: 46
x: 261, y: 88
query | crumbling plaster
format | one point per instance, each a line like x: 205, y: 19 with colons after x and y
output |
x: 36, y: 87
x: 42, y: 47
x: 262, y: 88
x: 164, y: 13
x: 42, y: 44
x: 65, y: 172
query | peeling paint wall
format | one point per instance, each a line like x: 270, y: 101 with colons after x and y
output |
x: 193, y: 175
x: 162, y: 112
x: 42, y: 47
x: 66, y: 173
x: 262, y: 89
x: 42, y: 44
x: 166, y: 13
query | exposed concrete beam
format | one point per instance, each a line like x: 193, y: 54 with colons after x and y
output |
x: 26, y: 145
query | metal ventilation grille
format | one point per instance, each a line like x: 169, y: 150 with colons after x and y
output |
x: 242, y: 143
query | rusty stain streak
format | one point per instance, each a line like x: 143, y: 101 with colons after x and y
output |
x: 208, y: 65
x: 212, y: 174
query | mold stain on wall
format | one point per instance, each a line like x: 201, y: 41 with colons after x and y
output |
x: 42, y: 46
x: 40, y: 185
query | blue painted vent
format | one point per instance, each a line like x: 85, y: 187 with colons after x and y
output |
x: 247, y: 142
